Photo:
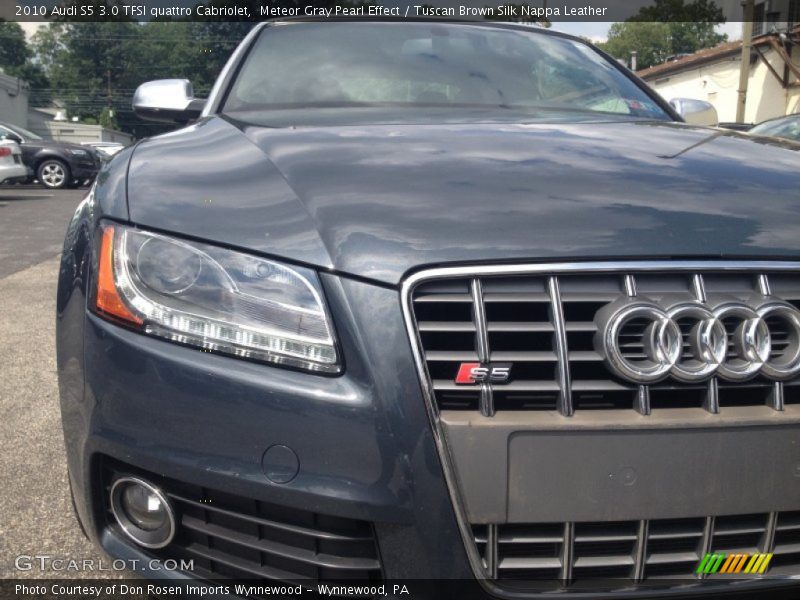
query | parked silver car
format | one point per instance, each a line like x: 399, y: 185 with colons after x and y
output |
x: 12, y: 169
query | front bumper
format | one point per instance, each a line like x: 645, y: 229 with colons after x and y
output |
x: 364, y: 441
x: 16, y: 173
x: 84, y: 169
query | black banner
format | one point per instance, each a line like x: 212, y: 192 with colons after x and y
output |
x: 168, y: 589
x: 534, y: 11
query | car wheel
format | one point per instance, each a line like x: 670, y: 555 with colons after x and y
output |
x: 53, y: 174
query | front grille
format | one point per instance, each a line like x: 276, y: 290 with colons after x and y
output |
x: 544, y: 324
x: 632, y: 552
x: 229, y: 536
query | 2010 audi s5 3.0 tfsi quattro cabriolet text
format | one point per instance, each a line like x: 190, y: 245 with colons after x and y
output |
x: 437, y: 301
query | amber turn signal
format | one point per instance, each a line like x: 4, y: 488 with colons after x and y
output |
x: 108, y: 298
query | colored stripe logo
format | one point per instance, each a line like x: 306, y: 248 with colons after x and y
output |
x: 720, y: 562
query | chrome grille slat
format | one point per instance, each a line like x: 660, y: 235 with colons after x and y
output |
x: 630, y: 285
x: 568, y: 543
x: 436, y: 298
x: 607, y: 538
x: 516, y: 355
x: 776, y: 398
x: 560, y: 342
x: 599, y: 385
x: 613, y: 560
x: 446, y: 326
x: 643, y: 400
x: 519, y: 297
x: 482, y: 343
x: 708, y: 537
x: 450, y: 355
x: 763, y: 284
x: 641, y: 551
x: 519, y: 326
x: 543, y: 324
x: 514, y: 386
x: 528, y: 563
x: 580, y: 326
x: 769, y: 536
x: 588, y: 355
x: 674, y: 557
x: 491, y: 551
x: 711, y: 400
x: 531, y: 539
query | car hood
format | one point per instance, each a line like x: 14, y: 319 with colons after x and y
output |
x: 378, y: 201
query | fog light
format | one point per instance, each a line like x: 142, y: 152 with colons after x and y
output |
x: 143, y: 512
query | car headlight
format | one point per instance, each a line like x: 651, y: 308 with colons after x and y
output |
x: 77, y: 152
x: 215, y: 299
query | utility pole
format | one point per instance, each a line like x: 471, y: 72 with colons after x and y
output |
x: 744, y: 70
x: 109, y: 97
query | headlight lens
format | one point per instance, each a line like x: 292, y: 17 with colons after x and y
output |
x: 216, y: 299
x: 78, y: 152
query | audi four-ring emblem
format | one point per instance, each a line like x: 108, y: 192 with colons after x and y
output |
x: 644, y: 341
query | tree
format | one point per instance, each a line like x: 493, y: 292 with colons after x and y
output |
x: 699, y: 11
x: 16, y: 58
x: 650, y: 40
x: 14, y: 51
x: 90, y: 65
x: 667, y: 28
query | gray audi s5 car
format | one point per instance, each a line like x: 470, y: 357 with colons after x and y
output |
x: 455, y: 305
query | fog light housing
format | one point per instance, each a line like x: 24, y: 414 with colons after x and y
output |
x: 143, y: 512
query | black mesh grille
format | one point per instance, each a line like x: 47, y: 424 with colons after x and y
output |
x: 229, y: 536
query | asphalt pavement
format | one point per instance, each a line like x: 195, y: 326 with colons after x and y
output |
x: 37, y: 518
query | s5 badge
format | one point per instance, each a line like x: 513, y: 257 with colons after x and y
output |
x: 473, y: 373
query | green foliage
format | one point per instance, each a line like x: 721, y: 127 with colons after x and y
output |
x: 667, y: 28
x: 17, y: 58
x: 14, y: 50
x: 705, y: 11
x: 108, y: 119
x: 649, y: 39
x: 85, y: 60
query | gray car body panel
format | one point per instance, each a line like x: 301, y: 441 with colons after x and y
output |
x: 378, y: 201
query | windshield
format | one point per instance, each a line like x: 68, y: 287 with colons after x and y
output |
x: 784, y: 128
x: 24, y: 133
x: 434, y: 65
